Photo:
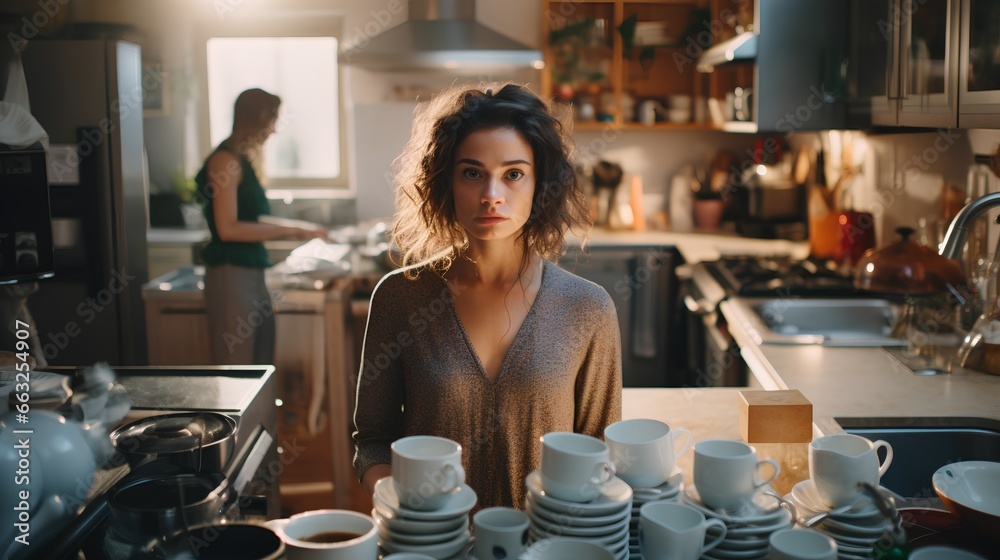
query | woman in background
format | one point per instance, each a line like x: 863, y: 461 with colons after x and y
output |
x: 240, y: 310
x: 480, y: 338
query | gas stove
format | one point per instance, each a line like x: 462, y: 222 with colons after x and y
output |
x: 763, y: 276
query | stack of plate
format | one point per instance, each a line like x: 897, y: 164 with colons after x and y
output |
x: 856, y: 531
x: 748, y: 530
x: 603, y: 520
x: 442, y: 533
x: 669, y: 491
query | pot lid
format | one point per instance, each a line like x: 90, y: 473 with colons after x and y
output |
x: 907, y: 267
x: 170, y: 433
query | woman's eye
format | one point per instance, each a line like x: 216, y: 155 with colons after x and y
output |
x: 471, y: 173
x: 515, y: 175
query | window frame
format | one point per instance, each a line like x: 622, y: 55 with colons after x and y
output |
x: 253, y: 23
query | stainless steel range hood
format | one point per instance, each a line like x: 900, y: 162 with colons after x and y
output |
x: 441, y: 35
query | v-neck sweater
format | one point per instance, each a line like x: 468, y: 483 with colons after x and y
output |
x: 420, y: 375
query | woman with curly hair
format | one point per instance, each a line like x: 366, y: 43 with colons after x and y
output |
x: 480, y: 338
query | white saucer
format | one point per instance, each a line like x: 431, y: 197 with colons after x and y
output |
x: 604, y: 538
x: 440, y: 551
x: 669, y: 488
x: 613, y: 496
x: 722, y: 554
x: 806, y: 496
x: 385, y: 532
x: 759, y: 531
x: 575, y: 531
x: 765, y: 507
x: 458, y: 504
x: 750, y: 542
x: 532, y: 507
x: 854, y: 531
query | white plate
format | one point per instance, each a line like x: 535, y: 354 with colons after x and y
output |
x: 764, y: 508
x: 413, y: 527
x: 759, y: 531
x: 441, y: 551
x: 458, y: 504
x: 722, y: 554
x: 532, y: 507
x: 614, y: 497
x: 385, y: 532
x: 744, y: 543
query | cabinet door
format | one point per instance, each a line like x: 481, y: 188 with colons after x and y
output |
x: 177, y: 334
x: 875, y: 60
x: 979, y: 71
x: 929, y: 63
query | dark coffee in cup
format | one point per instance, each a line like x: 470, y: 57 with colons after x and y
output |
x: 331, y: 537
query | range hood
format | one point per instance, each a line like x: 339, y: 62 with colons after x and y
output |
x: 441, y: 35
x: 742, y: 47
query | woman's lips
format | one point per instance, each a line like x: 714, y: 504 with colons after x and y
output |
x: 490, y: 220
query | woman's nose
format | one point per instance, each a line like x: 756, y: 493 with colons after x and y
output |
x: 493, y: 193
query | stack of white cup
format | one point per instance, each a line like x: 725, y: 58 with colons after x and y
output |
x: 423, y: 507
x: 837, y: 463
x: 575, y: 495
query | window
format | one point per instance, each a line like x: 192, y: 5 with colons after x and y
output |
x: 306, y: 147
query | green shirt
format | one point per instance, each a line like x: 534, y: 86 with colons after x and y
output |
x: 251, y: 203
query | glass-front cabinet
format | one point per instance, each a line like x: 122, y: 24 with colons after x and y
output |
x: 905, y: 54
x: 979, y: 70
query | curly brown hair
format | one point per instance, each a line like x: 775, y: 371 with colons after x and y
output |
x: 426, y: 228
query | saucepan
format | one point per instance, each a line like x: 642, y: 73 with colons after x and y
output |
x: 191, y: 441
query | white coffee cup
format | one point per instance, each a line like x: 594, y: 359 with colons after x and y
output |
x: 564, y: 548
x: 837, y: 463
x: 302, y: 532
x: 501, y: 532
x: 574, y: 466
x: 672, y: 531
x: 426, y: 471
x: 801, y: 544
x: 727, y: 473
x: 644, y: 451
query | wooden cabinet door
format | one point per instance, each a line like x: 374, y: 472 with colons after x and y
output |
x: 928, y: 63
x: 177, y: 334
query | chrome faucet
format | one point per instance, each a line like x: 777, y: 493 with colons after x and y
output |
x: 954, y: 240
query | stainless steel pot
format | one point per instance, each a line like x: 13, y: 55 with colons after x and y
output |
x: 156, y: 508
x: 223, y: 542
x: 191, y: 441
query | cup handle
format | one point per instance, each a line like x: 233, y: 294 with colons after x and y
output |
x: 603, y: 472
x: 454, y: 477
x: 757, y: 483
x: 714, y: 522
x: 888, y: 456
x: 687, y: 445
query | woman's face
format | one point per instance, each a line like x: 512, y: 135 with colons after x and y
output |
x: 493, y: 183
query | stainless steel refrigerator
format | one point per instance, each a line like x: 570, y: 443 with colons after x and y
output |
x: 87, y: 94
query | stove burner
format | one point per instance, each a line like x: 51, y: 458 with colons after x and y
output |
x: 761, y: 276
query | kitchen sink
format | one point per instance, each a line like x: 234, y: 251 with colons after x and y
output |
x: 825, y: 321
x: 920, y: 446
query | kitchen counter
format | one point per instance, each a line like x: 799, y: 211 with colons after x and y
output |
x: 862, y: 382
x: 697, y: 246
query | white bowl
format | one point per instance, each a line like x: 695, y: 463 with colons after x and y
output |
x: 566, y: 549
x: 971, y: 490
x: 679, y: 115
x: 943, y: 553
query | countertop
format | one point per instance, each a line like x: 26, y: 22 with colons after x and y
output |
x: 176, y: 236
x: 856, y: 382
x: 695, y: 245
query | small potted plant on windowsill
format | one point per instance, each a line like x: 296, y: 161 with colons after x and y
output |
x: 191, y: 210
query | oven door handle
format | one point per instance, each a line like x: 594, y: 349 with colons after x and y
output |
x: 699, y: 307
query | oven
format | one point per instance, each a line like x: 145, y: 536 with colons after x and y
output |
x: 712, y: 357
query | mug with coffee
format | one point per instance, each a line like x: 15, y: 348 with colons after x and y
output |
x: 838, y: 462
x: 574, y: 466
x: 426, y: 471
x: 328, y: 534
x: 727, y: 473
x: 644, y: 450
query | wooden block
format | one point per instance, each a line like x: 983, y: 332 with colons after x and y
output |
x: 775, y: 417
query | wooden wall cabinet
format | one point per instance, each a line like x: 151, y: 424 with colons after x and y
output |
x: 607, y: 58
